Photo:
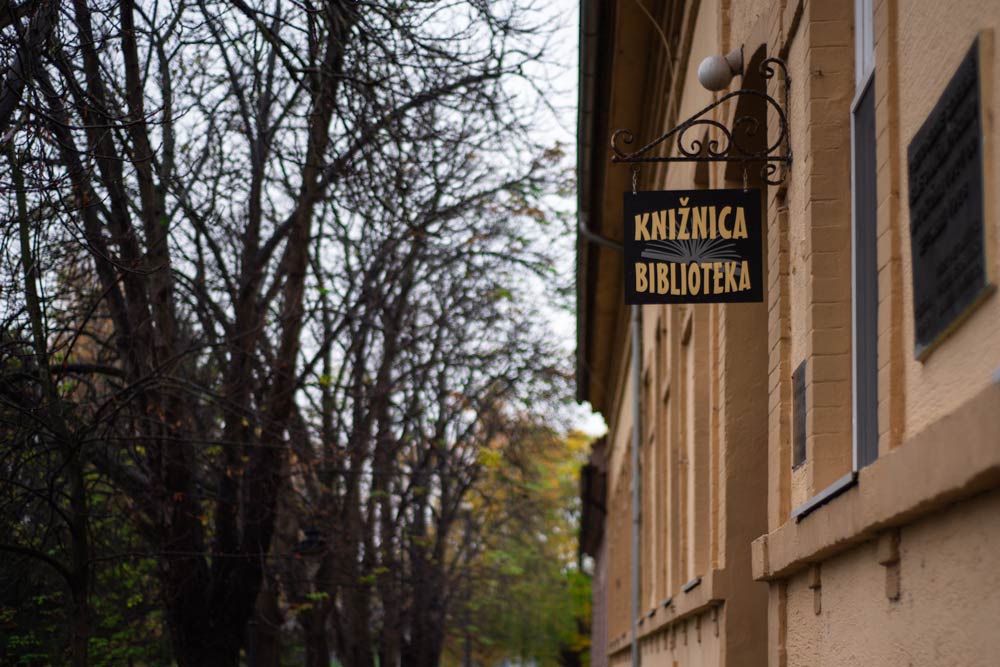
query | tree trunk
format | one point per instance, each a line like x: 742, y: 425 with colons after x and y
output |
x: 78, y: 578
x: 217, y: 656
x: 317, y: 643
x: 569, y: 658
x: 213, y: 647
x: 427, y: 618
x: 267, y: 632
x: 80, y: 605
x: 357, y: 638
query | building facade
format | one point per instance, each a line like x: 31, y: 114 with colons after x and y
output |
x: 819, y: 473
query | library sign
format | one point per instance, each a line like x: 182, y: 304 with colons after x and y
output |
x: 693, y: 246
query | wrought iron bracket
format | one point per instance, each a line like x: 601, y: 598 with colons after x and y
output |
x: 724, y: 148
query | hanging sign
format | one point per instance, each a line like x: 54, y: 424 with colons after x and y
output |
x: 693, y: 246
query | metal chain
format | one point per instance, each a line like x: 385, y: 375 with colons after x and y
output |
x: 635, y: 178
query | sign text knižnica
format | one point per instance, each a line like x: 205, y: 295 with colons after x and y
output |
x: 693, y: 246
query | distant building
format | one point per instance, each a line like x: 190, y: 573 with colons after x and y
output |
x: 820, y: 472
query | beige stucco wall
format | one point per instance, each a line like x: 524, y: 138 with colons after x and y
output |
x: 818, y: 198
x: 839, y: 609
x: 693, y: 97
x: 829, y: 586
x: 694, y: 642
x: 933, y: 37
x: 617, y: 535
x: 742, y: 15
x: 599, y: 601
x: 948, y: 608
x: 721, y: 445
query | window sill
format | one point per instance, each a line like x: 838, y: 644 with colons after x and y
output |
x: 697, y: 596
x: 951, y: 460
x: 825, y: 496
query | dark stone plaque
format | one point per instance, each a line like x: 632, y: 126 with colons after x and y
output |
x: 947, y: 233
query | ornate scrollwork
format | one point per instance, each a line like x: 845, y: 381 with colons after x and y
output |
x: 721, y: 143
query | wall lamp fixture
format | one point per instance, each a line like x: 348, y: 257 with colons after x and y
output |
x: 717, y: 72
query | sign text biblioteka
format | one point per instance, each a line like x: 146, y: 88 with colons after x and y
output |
x: 693, y: 246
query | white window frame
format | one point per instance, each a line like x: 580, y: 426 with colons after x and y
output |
x: 864, y: 45
x: 864, y: 77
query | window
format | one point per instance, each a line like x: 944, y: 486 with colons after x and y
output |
x: 694, y: 452
x: 864, y: 41
x: 662, y: 587
x: 864, y: 241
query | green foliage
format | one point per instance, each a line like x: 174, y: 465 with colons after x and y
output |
x: 527, y: 597
x: 129, y: 618
x: 31, y: 614
x: 126, y: 619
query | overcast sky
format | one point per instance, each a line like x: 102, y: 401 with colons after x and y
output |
x: 558, y: 75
